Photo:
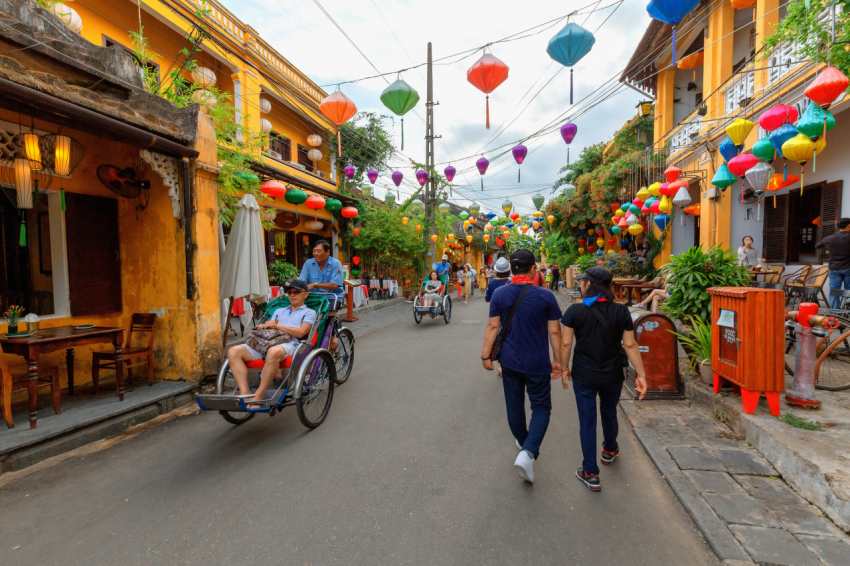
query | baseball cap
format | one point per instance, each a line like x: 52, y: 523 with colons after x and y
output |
x: 501, y: 265
x: 445, y: 256
x: 296, y: 284
x: 522, y: 260
x: 598, y: 275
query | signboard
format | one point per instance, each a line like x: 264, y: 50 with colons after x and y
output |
x: 728, y: 323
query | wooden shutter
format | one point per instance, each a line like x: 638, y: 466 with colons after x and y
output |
x: 776, y: 229
x: 830, y: 211
x: 303, y: 159
x: 94, y: 263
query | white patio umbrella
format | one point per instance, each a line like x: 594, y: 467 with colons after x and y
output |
x: 244, y: 273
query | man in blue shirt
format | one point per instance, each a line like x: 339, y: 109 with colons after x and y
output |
x: 443, y: 269
x: 323, y: 274
x: 503, y: 270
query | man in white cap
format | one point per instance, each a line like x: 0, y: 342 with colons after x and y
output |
x: 503, y: 271
x: 473, y: 279
x: 443, y: 269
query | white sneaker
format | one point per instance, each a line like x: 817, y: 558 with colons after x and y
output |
x: 525, y: 464
x: 518, y: 445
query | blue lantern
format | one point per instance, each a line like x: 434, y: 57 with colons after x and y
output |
x: 623, y: 243
x: 662, y: 221
x: 778, y: 137
x: 671, y: 12
x: 568, y: 47
x: 490, y: 215
x: 599, y: 252
x: 581, y: 231
x: 611, y: 263
x: 728, y: 149
x: 510, y: 225
x: 590, y: 240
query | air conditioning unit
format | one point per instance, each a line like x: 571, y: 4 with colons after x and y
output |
x: 296, y: 164
x: 274, y: 154
x: 321, y: 174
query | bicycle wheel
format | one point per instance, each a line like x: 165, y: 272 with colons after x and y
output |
x: 317, y: 389
x: 343, y: 355
x: 226, y: 385
x: 447, y: 309
x: 832, y: 368
x: 417, y: 316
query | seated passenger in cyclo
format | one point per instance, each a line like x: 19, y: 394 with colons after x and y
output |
x: 432, y: 291
x: 323, y: 274
x: 296, y: 320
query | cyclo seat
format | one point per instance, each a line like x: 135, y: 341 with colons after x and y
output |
x: 315, y: 301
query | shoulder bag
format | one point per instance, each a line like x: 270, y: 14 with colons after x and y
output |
x: 496, y: 351
x: 618, y: 345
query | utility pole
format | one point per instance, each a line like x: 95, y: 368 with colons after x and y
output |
x: 430, y: 190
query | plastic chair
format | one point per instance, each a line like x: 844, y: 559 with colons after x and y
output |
x: 139, y: 323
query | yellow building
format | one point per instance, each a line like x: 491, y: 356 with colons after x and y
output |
x: 720, y: 76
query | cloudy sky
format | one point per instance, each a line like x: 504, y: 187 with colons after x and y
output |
x: 394, y: 35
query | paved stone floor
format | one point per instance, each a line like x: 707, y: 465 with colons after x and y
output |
x: 736, y: 498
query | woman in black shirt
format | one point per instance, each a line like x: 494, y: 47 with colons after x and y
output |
x: 603, y: 329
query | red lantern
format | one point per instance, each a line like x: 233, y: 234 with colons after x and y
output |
x: 581, y: 241
x: 273, y: 189
x: 514, y: 215
x: 777, y: 116
x: 349, y: 212
x: 356, y: 232
x: 611, y: 242
x: 486, y: 75
x: 614, y: 207
x: 742, y: 163
x: 827, y: 87
x: 355, y: 260
x: 338, y: 108
x: 672, y: 173
x: 315, y: 202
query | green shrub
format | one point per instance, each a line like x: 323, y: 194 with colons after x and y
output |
x: 699, y: 342
x: 694, y: 271
x: 280, y: 272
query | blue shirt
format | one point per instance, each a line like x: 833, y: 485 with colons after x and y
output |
x: 442, y: 267
x: 525, y: 348
x: 294, y: 318
x: 493, y: 285
x: 332, y: 273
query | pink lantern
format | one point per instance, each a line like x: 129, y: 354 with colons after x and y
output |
x: 372, y: 175
x: 777, y: 116
x: 449, y: 172
x: 421, y: 176
x: 397, y: 177
x: 349, y: 171
x: 519, y: 153
x: 568, y: 132
x: 482, y: 165
x: 654, y: 207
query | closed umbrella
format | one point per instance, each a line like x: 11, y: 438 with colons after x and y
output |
x: 243, y: 270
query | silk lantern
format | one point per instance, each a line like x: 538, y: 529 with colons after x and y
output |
x: 389, y: 199
x: 739, y: 130
x: 778, y: 138
x: 422, y: 177
x: 614, y: 207
x: 815, y: 122
x: 728, y: 149
x: 349, y: 212
x: 514, y: 215
x: 569, y: 46
x: 469, y: 239
x: 372, y: 175
x: 400, y: 98
x: 486, y: 75
x: 519, y: 152
x: 486, y: 237
x: 671, y: 12
x: 666, y: 190
x: 315, y: 202
x: 693, y: 210
x: 568, y: 133
x: 333, y: 205
x: 434, y: 238
x: 682, y: 198
x: 764, y: 150
x: 338, y: 108
x: 366, y: 190
x: 418, y: 227
x: 739, y: 167
x: 723, y: 178
x: 449, y: 172
x: 507, y: 206
x: 463, y: 215
x: 778, y: 182
x: 274, y: 189
x: 482, y: 165
x: 671, y: 174
x: 775, y: 117
x: 550, y: 218
x: 404, y: 220
x: 655, y: 189
x: 759, y: 176
x: 643, y: 194
x: 636, y: 229
x: 397, y: 176
x: 349, y: 171
x: 800, y: 149
x: 474, y: 209
x: 296, y: 197
x: 828, y: 86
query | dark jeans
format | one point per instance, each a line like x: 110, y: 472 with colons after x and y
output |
x: 539, y: 389
x: 836, y: 278
x: 586, y: 394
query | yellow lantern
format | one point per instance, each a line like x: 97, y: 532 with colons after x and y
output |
x: 32, y: 151
x: 653, y: 190
x: 469, y: 239
x: 466, y: 224
x: 636, y: 229
x: 451, y: 237
x: 550, y: 218
x: 739, y: 130
x: 591, y: 231
x: 664, y: 205
x: 800, y: 149
x: 434, y: 238
x: 581, y: 250
x: 486, y: 237
x: 418, y: 227
x: 643, y: 194
x: 620, y: 212
x: 404, y: 220
x: 611, y: 252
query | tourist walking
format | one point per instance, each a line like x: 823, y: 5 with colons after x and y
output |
x: 839, y: 258
x: 502, y: 270
x: 523, y: 325
x: 465, y: 281
x: 556, y: 276
x: 604, y: 334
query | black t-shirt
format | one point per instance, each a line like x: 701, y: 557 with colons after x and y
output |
x: 594, y: 358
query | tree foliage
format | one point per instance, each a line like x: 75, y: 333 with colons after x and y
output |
x: 366, y: 144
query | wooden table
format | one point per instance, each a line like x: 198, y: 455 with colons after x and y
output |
x: 755, y: 272
x: 65, y: 338
x: 618, y: 282
x: 636, y: 287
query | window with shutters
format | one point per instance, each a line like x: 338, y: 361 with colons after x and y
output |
x: 304, y: 159
x: 830, y: 212
x: 790, y: 228
x: 281, y: 146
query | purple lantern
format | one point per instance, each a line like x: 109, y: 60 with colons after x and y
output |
x: 568, y: 132
x: 397, y: 177
x: 349, y: 172
x: 450, y: 173
x: 421, y: 176
x: 482, y: 165
x: 519, y: 152
x: 373, y: 175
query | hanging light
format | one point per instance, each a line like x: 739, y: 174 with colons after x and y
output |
x: 23, y: 182
x: 367, y: 191
x: 416, y: 206
x: 389, y: 199
x: 444, y: 209
x: 507, y: 206
x: 314, y: 140
x: 29, y: 144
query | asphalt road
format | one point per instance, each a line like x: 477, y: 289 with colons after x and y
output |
x: 413, y: 466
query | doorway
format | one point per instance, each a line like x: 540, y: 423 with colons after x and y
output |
x: 802, y: 234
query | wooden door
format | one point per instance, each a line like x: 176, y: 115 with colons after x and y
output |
x: 830, y: 211
x: 776, y: 229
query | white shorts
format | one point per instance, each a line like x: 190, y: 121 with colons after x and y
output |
x: 289, y: 347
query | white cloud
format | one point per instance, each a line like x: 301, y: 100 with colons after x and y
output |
x: 305, y: 36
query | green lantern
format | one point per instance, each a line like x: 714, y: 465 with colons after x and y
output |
x: 355, y: 272
x: 333, y: 205
x: 538, y: 200
x: 474, y: 209
x: 569, y: 192
x: 400, y: 97
x: 296, y: 197
x: 444, y: 209
x: 724, y: 178
x: 463, y: 215
x: 764, y: 150
x: 367, y: 191
x: 416, y: 206
x: 507, y: 207
x: 246, y: 176
x: 389, y: 199
x: 815, y: 122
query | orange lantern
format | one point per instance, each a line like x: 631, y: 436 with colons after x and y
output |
x: 404, y: 220
x: 338, y: 108
x: 273, y: 189
x: 693, y: 60
x: 434, y: 238
x: 356, y: 231
x: 550, y: 218
x: 536, y: 224
x: 486, y: 237
x: 472, y: 220
x: 776, y: 183
x: 451, y: 237
x: 469, y: 239
x: 486, y: 75
x: 693, y: 210
x: 418, y: 227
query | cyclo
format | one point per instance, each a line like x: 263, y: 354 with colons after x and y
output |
x: 442, y: 308
x: 309, y: 376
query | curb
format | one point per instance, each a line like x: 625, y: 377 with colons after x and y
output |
x: 376, y: 306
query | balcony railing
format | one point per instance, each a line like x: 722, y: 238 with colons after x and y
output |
x: 740, y: 90
x: 783, y: 60
x: 686, y: 132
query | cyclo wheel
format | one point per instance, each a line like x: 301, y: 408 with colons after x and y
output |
x: 317, y: 389
x: 417, y: 316
x: 226, y: 385
x: 344, y: 355
x: 832, y: 368
x: 447, y: 309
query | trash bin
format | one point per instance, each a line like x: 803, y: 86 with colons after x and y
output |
x: 659, y: 352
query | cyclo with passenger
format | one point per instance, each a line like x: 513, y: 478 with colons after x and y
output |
x: 433, y: 299
x: 301, y: 371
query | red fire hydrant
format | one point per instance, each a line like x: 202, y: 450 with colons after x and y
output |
x: 807, y: 324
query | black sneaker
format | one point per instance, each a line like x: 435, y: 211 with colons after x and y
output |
x: 608, y: 457
x: 590, y: 480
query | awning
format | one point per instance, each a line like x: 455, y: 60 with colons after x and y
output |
x: 285, y: 177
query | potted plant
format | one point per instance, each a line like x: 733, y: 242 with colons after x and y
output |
x: 280, y: 272
x: 698, y: 346
x: 13, y: 315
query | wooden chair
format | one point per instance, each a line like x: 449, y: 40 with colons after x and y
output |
x: 139, y: 323
x: 798, y: 276
x: 47, y: 377
x: 776, y: 272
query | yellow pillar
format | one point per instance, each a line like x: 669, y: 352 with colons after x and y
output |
x: 664, y: 103
x: 767, y: 14
x: 718, y: 57
x: 251, y: 101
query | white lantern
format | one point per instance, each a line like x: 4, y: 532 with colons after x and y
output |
x: 270, y: 214
x: 683, y: 197
x: 314, y: 225
x: 68, y: 16
x: 23, y: 182
x: 314, y: 140
x: 314, y: 155
x: 265, y: 125
x: 631, y: 219
x: 202, y: 96
x: 265, y: 106
x: 203, y: 77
